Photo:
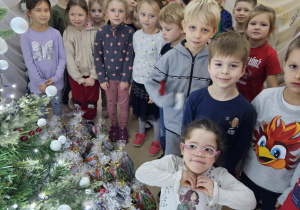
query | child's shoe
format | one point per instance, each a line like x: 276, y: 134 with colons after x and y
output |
x: 123, y: 135
x: 114, y: 133
x: 139, y: 139
x: 104, y: 113
x: 155, y: 148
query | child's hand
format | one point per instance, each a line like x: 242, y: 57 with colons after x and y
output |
x: 129, y: 89
x: 150, y: 100
x: 89, y: 81
x: 277, y: 205
x: 104, y: 85
x: 49, y: 82
x: 205, y: 184
x: 188, y: 179
x: 43, y: 87
x: 124, y: 85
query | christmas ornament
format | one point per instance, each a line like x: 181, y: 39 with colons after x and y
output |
x: 19, y: 25
x: 64, y: 207
x: 31, y: 133
x: 3, y: 65
x: 17, y: 129
x: 55, y: 145
x: 3, y: 46
x: 38, y: 130
x: 24, y: 138
x: 41, y: 122
x: 51, y: 90
x: 62, y: 139
x: 84, y: 182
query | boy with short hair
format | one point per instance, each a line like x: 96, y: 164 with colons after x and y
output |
x: 184, y: 68
x: 221, y: 102
x: 170, y: 18
x: 241, y: 12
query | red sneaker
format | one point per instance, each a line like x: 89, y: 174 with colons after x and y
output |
x: 155, y: 148
x: 139, y: 139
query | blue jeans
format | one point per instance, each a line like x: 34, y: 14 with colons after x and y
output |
x: 56, y: 103
x: 162, y: 130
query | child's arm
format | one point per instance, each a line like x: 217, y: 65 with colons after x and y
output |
x: 34, y: 73
x: 99, y: 58
x: 159, y: 173
x: 152, y: 84
x: 230, y: 192
x: 295, y: 177
x: 128, y: 62
x: 189, y: 114
x: 272, y: 81
x: 70, y: 56
x: 272, y: 68
x: 61, y: 59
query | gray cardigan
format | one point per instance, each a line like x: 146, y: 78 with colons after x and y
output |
x: 183, y: 73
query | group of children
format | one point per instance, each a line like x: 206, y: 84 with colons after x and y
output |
x: 197, y: 95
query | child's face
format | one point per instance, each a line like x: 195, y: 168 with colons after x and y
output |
x: 292, y: 72
x: 197, y: 34
x: 148, y: 16
x: 132, y: 5
x: 96, y: 13
x: 242, y: 11
x: 78, y: 17
x: 171, y: 32
x: 40, y: 14
x: 136, y: 21
x: 116, y: 12
x: 225, y: 71
x: 197, y: 163
x: 259, y: 27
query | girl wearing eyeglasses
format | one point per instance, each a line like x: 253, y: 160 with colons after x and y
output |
x: 192, y: 182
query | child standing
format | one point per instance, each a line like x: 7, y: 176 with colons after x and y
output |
x: 225, y: 21
x: 129, y: 20
x: 79, y: 44
x: 273, y: 159
x: 43, y: 53
x: 113, y: 60
x: 170, y: 18
x: 263, y: 60
x: 192, y: 182
x: 58, y: 20
x: 184, y: 68
x: 241, y: 12
x: 97, y: 13
x: 221, y: 102
x: 147, y: 44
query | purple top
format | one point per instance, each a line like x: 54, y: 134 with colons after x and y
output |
x: 44, y: 57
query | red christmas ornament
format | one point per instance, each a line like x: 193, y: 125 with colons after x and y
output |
x: 24, y: 138
x: 17, y: 129
x: 31, y: 133
x: 38, y: 130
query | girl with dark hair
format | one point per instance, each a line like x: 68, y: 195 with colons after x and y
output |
x: 192, y: 182
x: 43, y: 53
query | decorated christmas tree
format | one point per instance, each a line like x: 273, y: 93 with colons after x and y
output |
x: 45, y: 165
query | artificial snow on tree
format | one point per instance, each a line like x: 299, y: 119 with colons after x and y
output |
x: 86, y: 172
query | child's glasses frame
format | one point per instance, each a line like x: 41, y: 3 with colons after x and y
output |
x: 194, y: 149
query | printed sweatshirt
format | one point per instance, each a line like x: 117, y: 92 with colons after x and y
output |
x: 273, y: 157
x: 79, y: 46
x: 44, y: 57
x: 167, y: 172
x: 114, y: 53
